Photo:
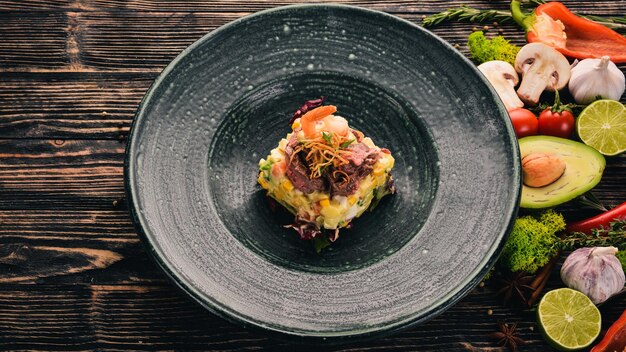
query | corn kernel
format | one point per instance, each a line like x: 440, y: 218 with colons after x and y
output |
x: 295, y: 124
x: 263, y: 181
x: 287, y: 185
x: 352, y: 199
x: 324, y: 203
x: 331, y: 223
x: 330, y: 212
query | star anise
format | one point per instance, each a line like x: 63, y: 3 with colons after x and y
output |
x: 517, y: 284
x: 507, y: 336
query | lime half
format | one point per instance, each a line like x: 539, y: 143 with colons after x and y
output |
x: 602, y: 125
x: 569, y: 320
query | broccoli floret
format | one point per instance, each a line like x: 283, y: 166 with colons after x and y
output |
x: 533, y: 242
x: 498, y: 48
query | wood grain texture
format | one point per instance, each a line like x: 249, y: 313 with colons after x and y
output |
x: 58, y: 174
x: 72, y: 246
x: 137, y: 41
x: 30, y: 40
x: 600, y: 7
x: 69, y: 105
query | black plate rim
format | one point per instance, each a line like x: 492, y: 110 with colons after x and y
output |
x: 325, y: 338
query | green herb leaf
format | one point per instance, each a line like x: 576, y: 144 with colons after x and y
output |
x: 328, y: 137
x: 320, y: 242
x: 266, y: 166
x: 346, y: 144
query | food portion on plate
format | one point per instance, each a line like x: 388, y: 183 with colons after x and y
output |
x: 325, y: 173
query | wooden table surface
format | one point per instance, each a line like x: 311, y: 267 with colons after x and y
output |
x: 73, y: 273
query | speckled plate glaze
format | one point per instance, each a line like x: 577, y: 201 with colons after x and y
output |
x: 223, y: 103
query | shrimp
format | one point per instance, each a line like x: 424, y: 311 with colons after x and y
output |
x: 324, y: 116
x: 337, y: 125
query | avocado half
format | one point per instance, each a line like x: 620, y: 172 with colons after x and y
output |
x: 583, y: 170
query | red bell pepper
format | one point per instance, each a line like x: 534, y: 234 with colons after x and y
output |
x: 553, y: 24
x: 602, y: 220
x: 615, y: 338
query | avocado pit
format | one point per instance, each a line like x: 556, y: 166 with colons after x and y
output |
x: 540, y: 169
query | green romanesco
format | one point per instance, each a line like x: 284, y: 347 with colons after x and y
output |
x: 498, y: 48
x: 533, y: 242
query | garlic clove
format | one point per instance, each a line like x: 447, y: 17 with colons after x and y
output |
x: 593, y: 79
x: 596, y: 272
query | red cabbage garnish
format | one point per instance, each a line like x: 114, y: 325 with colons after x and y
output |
x: 307, y: 230
x: 308, y: 105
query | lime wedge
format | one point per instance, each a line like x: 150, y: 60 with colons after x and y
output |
x: 602, y: 125
x: 568, y: 319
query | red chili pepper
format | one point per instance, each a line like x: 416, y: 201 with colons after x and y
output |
x: 615, y: 338
x: 602, y: 220
x: 574, y: 36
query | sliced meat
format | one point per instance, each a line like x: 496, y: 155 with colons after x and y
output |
x: 362, y: 161
x: 358, y: 134
x: 344, y: 181
x: 298, y: 173
x: 361, y: 152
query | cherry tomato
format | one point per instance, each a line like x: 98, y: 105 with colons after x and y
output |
x: 557, y: 124
x: 524, y: 122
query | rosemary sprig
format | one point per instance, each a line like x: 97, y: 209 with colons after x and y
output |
x: 614, y: 236
x: 473, y: 15
x: 615, y: 23
x: 468, y: 14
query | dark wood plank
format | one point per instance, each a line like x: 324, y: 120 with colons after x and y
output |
x: 132, y: 317
x: 142, y: 41
x: 33, y: 41
x: 69, y: 105
x: 72, y: 246
x: 130, y: 41
x: 600, y: 7
x: 397, y: 6
x: 58, y: 174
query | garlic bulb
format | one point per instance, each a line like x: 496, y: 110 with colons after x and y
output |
x: 593, y: 78
x: 596, y: 272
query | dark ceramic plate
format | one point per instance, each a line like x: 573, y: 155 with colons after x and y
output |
x: 222, y: 105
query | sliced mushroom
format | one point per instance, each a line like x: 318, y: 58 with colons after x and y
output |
x: 542, y: 67
x: 503, y: 78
